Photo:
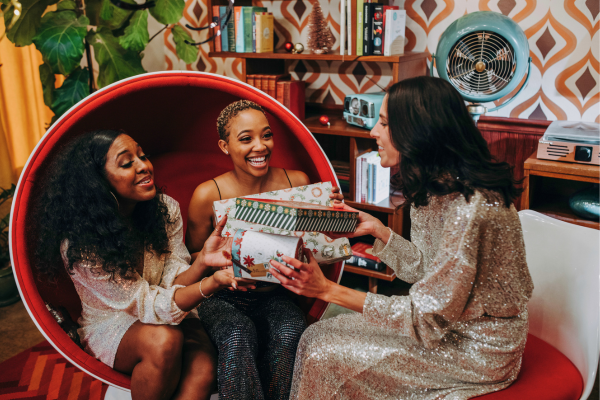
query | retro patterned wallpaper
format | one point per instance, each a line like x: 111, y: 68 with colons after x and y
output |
x: 563, y: 39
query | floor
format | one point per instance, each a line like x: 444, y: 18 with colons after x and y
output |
x: 18, y: 332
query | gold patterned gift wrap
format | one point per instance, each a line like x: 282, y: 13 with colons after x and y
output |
x: 324, y: 249
x: 295, y: 215
x: 253, y: 251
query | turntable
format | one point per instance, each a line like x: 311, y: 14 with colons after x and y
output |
x: 570, y: 141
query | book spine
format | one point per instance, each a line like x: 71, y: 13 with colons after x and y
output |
x: 359, y: 27
x: 280, y: 88
x: 250, y: 80
x: 215, y: 18
x: 384, y: 26
x: 374, y: 181
x: 254, y: 18
x: 377, y: 30
x: 224, y: 38
x: 231, y: 33
x: 388, y: 23
x: 343, y: 27
x: 365, y: 263
x: 369, y: 182
x: 351, y: 33
x: 364, y: 176
x: 357, y: 182
x: 239, y: 30
x: 269, y: 41
x: 272, y: 85
x: 247, y: 14
x: 366, y: 29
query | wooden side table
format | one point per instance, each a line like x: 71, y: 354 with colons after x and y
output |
x: 549, y: 184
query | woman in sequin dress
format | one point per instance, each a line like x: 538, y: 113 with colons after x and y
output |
x: 256, y: 332
x: 122, y: 243
x: 461, y: 330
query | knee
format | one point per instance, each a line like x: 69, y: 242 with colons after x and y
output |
x: 240, y: 337
x: 289, y: 332
x: 164, y: 345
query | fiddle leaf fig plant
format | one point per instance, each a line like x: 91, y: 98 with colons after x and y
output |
x: 116, y: 30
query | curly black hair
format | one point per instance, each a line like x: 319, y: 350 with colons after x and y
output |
x: 230, y: 112
x: 441, y: 149
x: 77, y: 204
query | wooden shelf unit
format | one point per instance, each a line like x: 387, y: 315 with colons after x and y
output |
x: 549, y: 184
x: 407, y: 65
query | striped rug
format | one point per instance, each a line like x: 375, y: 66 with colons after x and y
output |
x: 42, y: 373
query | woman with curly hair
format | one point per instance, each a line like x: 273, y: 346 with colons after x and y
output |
x: 461, y: 330
x: 102, y: 218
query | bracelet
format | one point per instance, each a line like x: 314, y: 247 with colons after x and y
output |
x: 202, y: 293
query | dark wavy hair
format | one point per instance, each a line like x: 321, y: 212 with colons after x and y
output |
x: 441, y: 149
x: 77, y: 204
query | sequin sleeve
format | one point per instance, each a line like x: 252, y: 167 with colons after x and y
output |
x: 178, y: 261
x: 440, y: 297
x: 402, y: 256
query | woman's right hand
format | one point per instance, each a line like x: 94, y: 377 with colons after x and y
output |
x: 367, y: 225
x: 226, y: 279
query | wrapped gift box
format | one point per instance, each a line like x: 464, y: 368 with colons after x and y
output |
x: 295, y: 215
x: 324, y: 249
x: 253, y: 251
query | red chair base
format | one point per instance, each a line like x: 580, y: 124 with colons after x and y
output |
x: 545, y: 374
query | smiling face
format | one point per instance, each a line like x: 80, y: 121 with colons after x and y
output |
x: 250, y: 142
x: 390, y: 157
x: 129, y: 173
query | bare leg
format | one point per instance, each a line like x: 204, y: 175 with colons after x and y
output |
x: 152, y: 355
x: 199, y: 370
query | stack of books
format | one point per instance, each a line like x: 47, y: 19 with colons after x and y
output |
x: 342, y: 171
x: 249, y: 30
x: 372, y: 180
x: 362, y: 256
x: 280, y: 86
x: 380, y: 29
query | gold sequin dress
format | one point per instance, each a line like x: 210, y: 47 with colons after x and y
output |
x: 109, y: 308
x: 459, y: 333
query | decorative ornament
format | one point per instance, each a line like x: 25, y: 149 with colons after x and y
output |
x: 324, y: 120
x: 289, y: 46
x: 298, y: 48
x: 320, y: 39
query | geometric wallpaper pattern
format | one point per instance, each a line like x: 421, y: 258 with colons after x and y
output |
x: 563, y: 38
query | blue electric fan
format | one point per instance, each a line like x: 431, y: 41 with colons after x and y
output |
x: 484, y: 55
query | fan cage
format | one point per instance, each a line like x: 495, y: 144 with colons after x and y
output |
x: 481, y: 63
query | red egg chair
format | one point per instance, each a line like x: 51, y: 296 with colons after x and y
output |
x: 173, y: 116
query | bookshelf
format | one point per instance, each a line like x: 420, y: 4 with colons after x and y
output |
x: 340, y: 134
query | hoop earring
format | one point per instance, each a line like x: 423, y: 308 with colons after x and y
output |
x: 115, y: 197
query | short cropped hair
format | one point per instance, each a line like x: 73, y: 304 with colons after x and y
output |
x: 230, y: 112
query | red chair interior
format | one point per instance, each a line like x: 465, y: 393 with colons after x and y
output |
x: 173, y: 117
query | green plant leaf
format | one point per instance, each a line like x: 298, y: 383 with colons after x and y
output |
x: 114, y: 61
x: 168, y: 11
x: 48, y: 80
x: 187, y: 52
x: 136, y: 35
x: 22, y: 33
x: 73, y: 89
x: 66, y: 5
x: 112, y: 16
x: 60, y: 40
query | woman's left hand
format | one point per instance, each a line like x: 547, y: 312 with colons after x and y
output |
x: 216, y: 253
x: 305, y: 279
x: 337, y: 197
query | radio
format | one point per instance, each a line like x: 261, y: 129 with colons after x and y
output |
x: 571, y: 142
x: 363, y: 109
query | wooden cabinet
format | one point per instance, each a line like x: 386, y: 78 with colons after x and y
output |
x: 340, y: 140
x: 549, y: 184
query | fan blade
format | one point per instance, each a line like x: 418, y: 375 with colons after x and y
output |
x: 458, y: 69
x: 465, y: 50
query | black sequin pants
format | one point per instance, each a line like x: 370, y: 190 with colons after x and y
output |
x: 256, y: 334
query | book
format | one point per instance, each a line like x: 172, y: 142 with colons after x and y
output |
x: 377, y: 30
x: 362, y: 256
x: 258, y: 81
x: 250, y: 80
x: 324, y: 249
x: 292, y: 95
x: 215, y: 18
x: 239, y: 29
x: 231, y: 33
x: 254, y: 32
x: 367, y: 26
x: 385, y: 9
x: 264, y: 36
x: 247, y: 21
x: 295, y: 215
x: 252, y: 253
x: 350, y: 21
x: 359, y: 27
x: 395, y: 32
x: 378, y: 179
x: 224, y: 29
x: 358, y: 175
x: 273, y: 79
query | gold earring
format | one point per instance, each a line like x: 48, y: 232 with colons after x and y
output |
x: 113, y: 195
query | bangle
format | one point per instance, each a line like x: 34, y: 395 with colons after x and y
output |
x: 202, y: 293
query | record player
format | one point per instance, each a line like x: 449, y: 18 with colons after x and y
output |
x: 570, y: 141
x: 363, y: 109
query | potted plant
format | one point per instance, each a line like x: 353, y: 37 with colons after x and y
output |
x: 9, y: 293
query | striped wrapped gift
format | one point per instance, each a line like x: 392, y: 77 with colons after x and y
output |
x: 295, y: 215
